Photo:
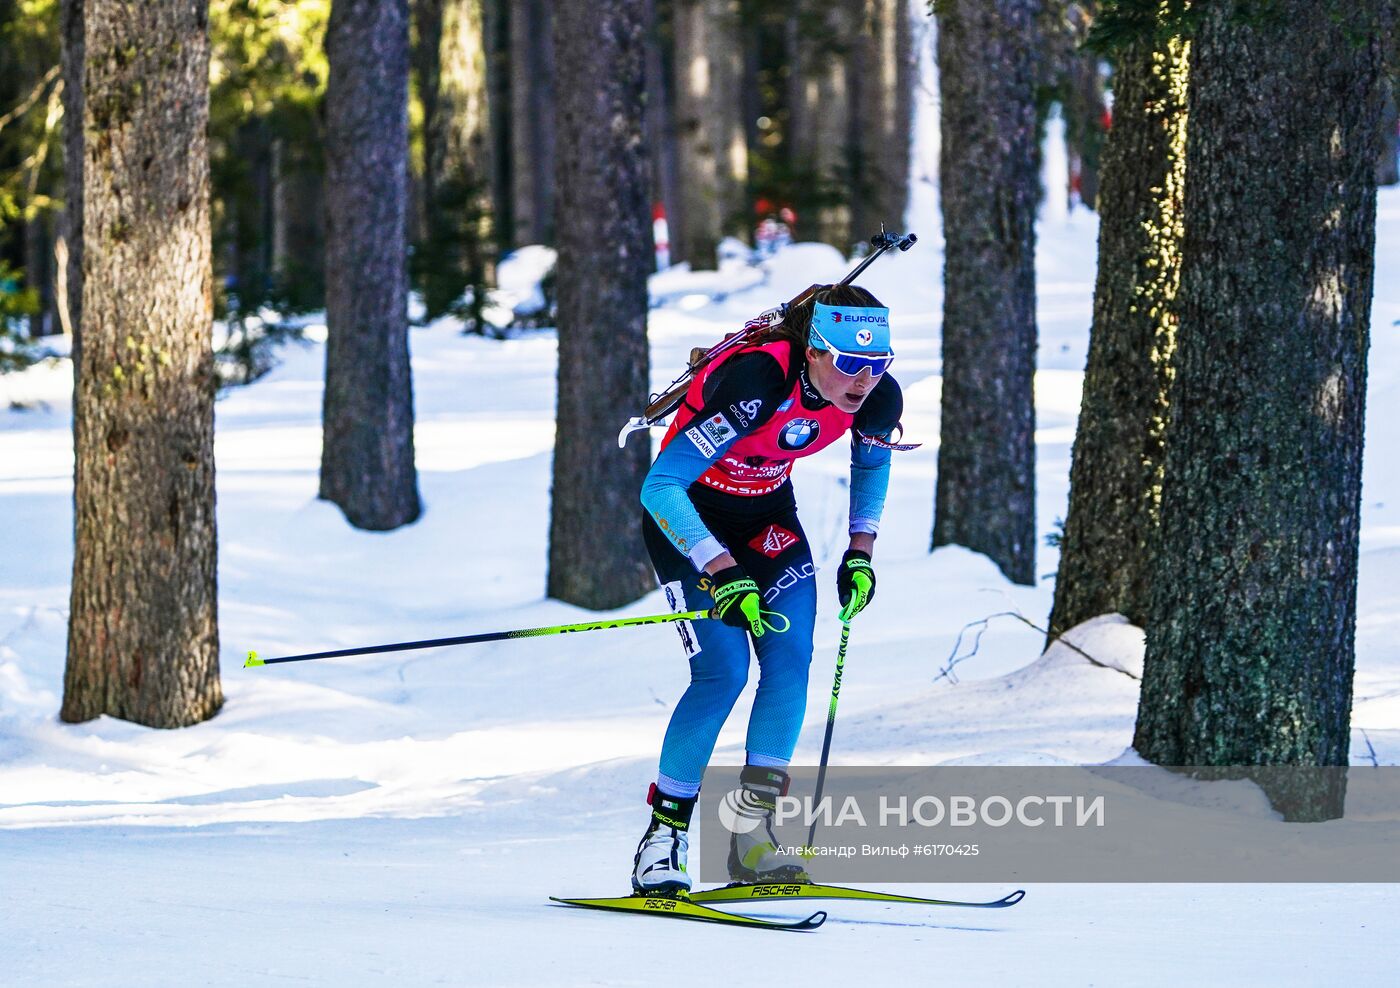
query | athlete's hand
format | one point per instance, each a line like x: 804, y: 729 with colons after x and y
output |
x: 855, y: 583
x: 737, y: 602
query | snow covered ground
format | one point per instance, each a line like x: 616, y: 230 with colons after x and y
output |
x: 405, y: 817
x: 402, y: 819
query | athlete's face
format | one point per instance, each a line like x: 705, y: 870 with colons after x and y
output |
x: 845, y: 392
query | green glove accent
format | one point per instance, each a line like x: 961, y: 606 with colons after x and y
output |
x: 737, y: 602
x: 855, y: 583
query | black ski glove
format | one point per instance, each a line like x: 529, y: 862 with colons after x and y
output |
x: 855, y: 583
x: 737, y: 602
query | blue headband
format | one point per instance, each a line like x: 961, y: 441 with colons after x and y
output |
x: 851, y: 328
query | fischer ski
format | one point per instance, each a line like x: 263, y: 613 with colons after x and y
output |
x: 678, y: 908
x: 799, y: 890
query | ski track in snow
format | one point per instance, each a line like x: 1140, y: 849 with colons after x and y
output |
x: 403, y: 818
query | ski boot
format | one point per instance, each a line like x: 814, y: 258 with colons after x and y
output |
x: 659, y: 867
x: 754, y: 857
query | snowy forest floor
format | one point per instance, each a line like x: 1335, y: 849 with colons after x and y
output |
x: 404, y: 817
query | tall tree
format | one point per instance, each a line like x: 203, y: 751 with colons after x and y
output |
x: 1082, y: 93
x: 268, y: 76
x: 883, y: 72
x: 820, y: 121
x: 367, y: 447
x: 457, y: 161
x: 532, y: 121
x: 1388, y: 161
x: 250, y: 208
x: 1116, y: 471
x: 985, y: 498
x: 1250, y: 640
x: 70, y: 259
x: 712, y: 153
x: 31, y: 108
x: 298, y: 223
x: 143, y: 630
x: 660, y: 114
x: 596, y: 557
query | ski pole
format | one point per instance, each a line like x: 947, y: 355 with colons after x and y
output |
x: 830, y: 725
x: 490, y: 636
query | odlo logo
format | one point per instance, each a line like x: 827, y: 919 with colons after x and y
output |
x: 789, y: 579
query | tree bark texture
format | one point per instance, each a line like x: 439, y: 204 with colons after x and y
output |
x: 711, y: 151
x: 143, y: 631
x: 1116, y: 472
x: 367, y: 416
x: 596, y: 557
x: 1250, y: 647
x: 985, y: 498
x: 457, y: 165
x: 71, y: 30
x: 883, y: 74
x: 532, y: 120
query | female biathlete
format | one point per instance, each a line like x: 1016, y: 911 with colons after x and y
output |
x: 721, y: 525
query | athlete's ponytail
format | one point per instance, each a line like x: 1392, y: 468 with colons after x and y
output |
x: 798, y: 321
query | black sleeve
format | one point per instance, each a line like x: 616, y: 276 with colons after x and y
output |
x: 746, y: 389
x: 880, y: 413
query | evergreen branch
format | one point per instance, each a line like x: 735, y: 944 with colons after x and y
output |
x: 1123, y: 23
x: 26, y: 103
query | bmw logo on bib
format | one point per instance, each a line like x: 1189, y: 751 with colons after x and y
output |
x: 799, y: 433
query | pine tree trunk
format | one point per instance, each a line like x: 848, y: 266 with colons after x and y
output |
x: 71, y: 30
x: 1084, y: 104
x: 1116, y: 473
x: 38, y: 262
x: 1388, y: 162
x: 1250, y: 641
x: 367, y: 447
x: 143, y: 629
x: 298, y: 226
x: 661, y: 120
x: 820, y: 121
x: 424, y: 55
x: 252, y: 209
x: 457, y: 167
x: 499, y: 157
x: 532, y: 120
x: 712, y: 155
x: 596, y: 557
x: 985, y: 496
x: 882, y: 75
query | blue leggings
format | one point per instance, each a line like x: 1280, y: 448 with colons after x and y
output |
x: 766, y: 538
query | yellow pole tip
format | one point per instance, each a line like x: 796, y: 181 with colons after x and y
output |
x: 252, y: 659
